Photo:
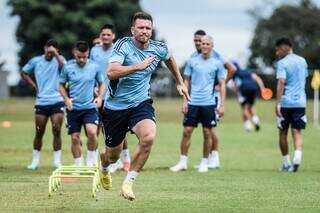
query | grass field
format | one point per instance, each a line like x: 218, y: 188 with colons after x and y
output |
x: 249, y: 180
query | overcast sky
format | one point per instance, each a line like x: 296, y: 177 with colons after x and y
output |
x: 175, y: 21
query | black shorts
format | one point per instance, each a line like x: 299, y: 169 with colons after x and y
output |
x: 101, y: 111
x: 206, y: 115
x: 77, y: 118
x: 49, y: 110
x: 296, y: 117
x: 248, y: 97
x: 117, y: 123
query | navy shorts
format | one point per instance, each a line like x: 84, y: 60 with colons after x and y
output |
x: 77, y: 118
x: 248, y: 97
x: 296, y: 117
x: 101, y: 111
x: 206, y: 115
x: 117, y: 123
x: 49, y: 110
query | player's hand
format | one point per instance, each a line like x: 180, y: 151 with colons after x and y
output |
x: 98, y: 101
x: 146, y: 62
x: 184, y: 109
x: 52, y: 50
x: 221, y: 111
x: 183, y: 90
x: 278, y: 111
x: 69, y: 104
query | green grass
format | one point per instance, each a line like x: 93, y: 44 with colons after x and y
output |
x: 249, y: 180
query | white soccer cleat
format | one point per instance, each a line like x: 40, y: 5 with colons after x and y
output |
x: 248, y: 126
x: 203, y: 168
x: 57, y: 165
x: 179, y: 167
x: 34, y: 165
x: 213, y: 163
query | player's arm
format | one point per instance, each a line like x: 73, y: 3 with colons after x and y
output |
x: 186, y: 82
x: 172, y: 66
x: 101, y: 90
x: 280, y: 89
x: 64, y: 94
x: 55, y: 53
x: 231, y: 69
x: 25, y: 76
x: 258, y: 80
x: 222, y: 84
x: 117, y: 70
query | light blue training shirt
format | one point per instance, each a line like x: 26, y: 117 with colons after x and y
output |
x: 101, y: 57
x: 203, y: 73
x: 46, y: 74
x: 81, y: 81
x: 129, y: 91
x: 294, y: 70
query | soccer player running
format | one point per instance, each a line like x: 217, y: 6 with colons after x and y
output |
x: 291, y: 74
x: 128, y: 105
x: 246, y: 87
x: 81, y: 74
x: 200, y: 74
x: 49, y: 102
x: 101, y: 54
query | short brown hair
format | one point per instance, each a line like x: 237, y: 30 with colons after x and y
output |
x: 141, y: 15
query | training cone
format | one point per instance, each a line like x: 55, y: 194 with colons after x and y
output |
x: 266, y: 94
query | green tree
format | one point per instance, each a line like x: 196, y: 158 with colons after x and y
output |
x: 301, y: 23
x: 67, y: 21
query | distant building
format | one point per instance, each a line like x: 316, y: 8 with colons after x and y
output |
x: 4, y: 89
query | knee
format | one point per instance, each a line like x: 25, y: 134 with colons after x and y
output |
x: 147, y: 139
x: 56, y: 130
x: 91, y: 133
x: 187, y: 132
x: 39, y: 132
x: 75, y: 138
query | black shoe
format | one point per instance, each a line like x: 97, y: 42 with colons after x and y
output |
x: 257, y: 127
x: 295, y: 167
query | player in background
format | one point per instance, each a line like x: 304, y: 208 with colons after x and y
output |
x: 200, y: 74
x: 246, y: 86
x: 49, y: 102
x: 81, y: 75
x: 291, y: 74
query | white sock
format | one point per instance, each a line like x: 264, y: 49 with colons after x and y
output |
x: 204, y: 161
x: 78, y: 161
x: 286, y: 160
x: 183, y: 159
x: 255, y: 119
x: 297, y: 157
x: 105, y: 169
x: 91, y: 156
x: 131, y: 176
x: 57, y: 156
x: 35, y: 156
x: 215, y: 154
x: 125, y: 155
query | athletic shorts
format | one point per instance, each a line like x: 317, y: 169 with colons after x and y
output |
x: 101, y: 111
x: 78, y: 118
x: 49, y: 110
x: 296, y: 117
x: 117, y: 123
x: 247, y: 97
x: 206, y: 115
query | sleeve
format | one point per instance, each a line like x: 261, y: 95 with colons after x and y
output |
x: 222, y: 72
x: 63, y: 78
x: 29, y: 67
x: 280, y: 71
x: 188, y: 68
x: 99, y: 76
x: 119, y: 52
x: 163, y: 51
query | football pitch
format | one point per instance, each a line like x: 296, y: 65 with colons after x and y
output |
x: 248, y: 181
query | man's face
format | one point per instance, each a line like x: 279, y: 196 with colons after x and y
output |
x: 281, y: 51
x: 197, y: 42
x: 48, y: 54
x: 142, y: 30
x: 107, y: 36
x: 81, y: 57
x: 206, y: 46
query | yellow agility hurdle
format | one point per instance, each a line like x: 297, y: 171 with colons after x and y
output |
x: 75, y: 172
